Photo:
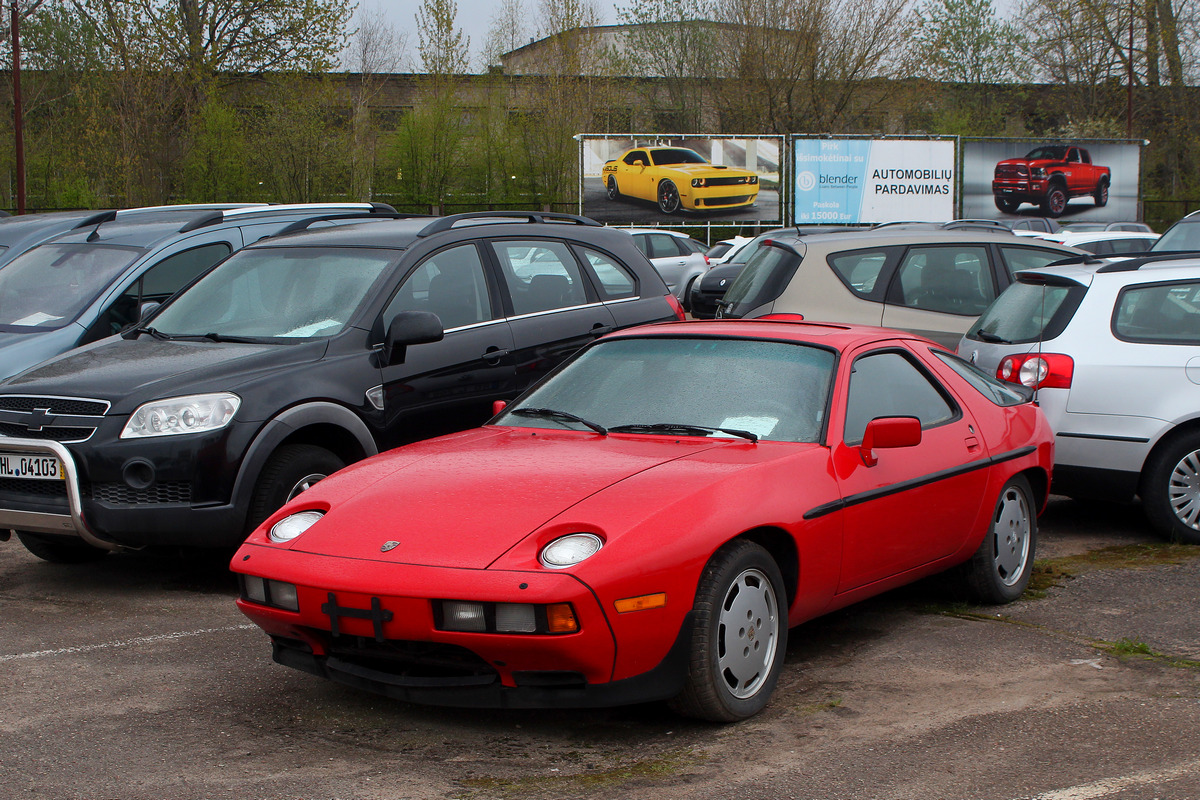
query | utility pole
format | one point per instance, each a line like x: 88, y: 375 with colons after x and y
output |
x: 18, y: 121
x: 1129, y: 80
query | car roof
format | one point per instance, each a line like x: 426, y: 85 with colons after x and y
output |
x: 902, y: 236
x: 1139, y: 269
x: 784, y: 327
x: 1083, y: 237
x: 655, y: 230
x: 148, y: 227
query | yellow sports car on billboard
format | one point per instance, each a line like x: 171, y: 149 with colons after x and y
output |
x: 678, y: 177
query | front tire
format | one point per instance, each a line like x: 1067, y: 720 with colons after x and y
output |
x: 739, y: 636
x: 60, y: 549
x: 999, y: 571
x: 1171, y: 489
x: 668, y: 197
x: 1055, y: 202
x: 289, y: 471
x: 1101, y: 195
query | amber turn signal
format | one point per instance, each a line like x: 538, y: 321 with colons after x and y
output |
x: 642, y: 603
x: 560, y: 618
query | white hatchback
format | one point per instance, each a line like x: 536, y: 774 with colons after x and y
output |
x: 1114, y: 353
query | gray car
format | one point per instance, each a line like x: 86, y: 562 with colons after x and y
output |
x: 677, y: 257
x: 1112, y: 352
x: 93, y: 280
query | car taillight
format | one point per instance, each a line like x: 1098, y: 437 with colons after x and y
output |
x: 676, y: 307
x: 1037, y: 370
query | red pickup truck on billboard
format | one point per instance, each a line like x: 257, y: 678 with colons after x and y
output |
x: 1048, y: 176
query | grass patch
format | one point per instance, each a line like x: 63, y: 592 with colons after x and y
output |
x: 1048, y: 573
x: 1131, y: 648
x: 648, y: 769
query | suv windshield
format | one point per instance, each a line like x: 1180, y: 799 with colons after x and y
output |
x: 1051, y: 152
x: 764, y: 278
x: 272, y: 293
x: 50, y: 285
x: 772, y: 390
x: 1026, y: 312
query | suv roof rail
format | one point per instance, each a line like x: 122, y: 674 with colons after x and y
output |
x: 495, y: 217
x: 189, y: 207
x: 221, y: 216
x: 304, y: 224
x: 1134, y: 264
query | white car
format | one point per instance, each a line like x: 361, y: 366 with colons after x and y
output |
x: 726, y: 249
x: 1113, y: 351
x: 1104, y: 243
x: 677, y: 257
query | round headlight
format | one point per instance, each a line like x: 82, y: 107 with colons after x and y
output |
x: 289, y: 528
x: 569, y: 550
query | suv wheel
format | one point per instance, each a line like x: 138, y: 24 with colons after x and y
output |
x: 60, y: 549
x: 291, y: 470
x: 1007, y: 205
x: 1171, y: 489
x: 1101, y: 195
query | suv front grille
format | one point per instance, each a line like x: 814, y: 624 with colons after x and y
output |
x: 50, y: 434
x: 18, y: 488
x: 56, y: 405
x: 723, y: 201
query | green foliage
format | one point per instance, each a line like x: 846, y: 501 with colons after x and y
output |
x: 215, y: 167
x: 963, y: 41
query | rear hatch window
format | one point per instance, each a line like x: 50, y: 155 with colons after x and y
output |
x: 1029, y: 310
x: 766, y: 275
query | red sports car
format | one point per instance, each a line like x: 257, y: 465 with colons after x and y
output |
x: 650, y: 520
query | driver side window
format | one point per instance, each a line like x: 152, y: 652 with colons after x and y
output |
x: 887, y: 384
x: 451, y: 284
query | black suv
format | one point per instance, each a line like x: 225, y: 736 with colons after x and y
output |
x: 295, y: 356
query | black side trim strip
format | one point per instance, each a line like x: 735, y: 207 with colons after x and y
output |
x: 915, y: 483
x: 1102, y: 438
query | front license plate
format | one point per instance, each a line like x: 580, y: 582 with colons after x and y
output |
x: 38, y: 468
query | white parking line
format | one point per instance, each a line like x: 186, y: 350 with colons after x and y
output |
x: 1113, y: 785
x: 62, y: 651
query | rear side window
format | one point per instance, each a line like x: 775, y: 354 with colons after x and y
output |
x: 859, y: 270
x: 1026, y: 312
x: 540, y: 275
x: 615, y: 280
x: 950, y: 280
x: 1166, y: 313
x: 994, y: 389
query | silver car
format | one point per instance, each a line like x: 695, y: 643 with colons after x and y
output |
x: 1114, y: 354
x: 677, y: 257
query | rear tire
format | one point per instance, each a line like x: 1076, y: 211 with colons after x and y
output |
x: 60, y: 549
x: 739, y: 635
x: 611, y: 189
x: 1171, y: 489
x: 289, y: 471
x: 1101, y: 195
x: 999, y: 571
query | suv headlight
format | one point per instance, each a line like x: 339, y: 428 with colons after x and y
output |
x: 180, y: 415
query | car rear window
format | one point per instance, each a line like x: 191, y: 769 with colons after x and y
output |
x: 1027, y: 311
x: 999, y: 392
x: 764, y: 278
x: 1161, y: 313
x: 859, y: 269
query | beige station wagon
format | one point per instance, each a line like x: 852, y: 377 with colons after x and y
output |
x: 928, y: 281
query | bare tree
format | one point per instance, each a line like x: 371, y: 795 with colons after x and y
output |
x: 376, y: 50
x: 507, y: 32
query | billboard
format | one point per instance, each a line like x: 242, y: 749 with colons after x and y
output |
x: 865, y: 181
x: 1077, y: 179
x: 656, y: 179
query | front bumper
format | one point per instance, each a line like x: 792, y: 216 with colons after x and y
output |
x: 61, y: 512
x: 1027, y: 190
x: 387, y: 640
x: 711, y: 197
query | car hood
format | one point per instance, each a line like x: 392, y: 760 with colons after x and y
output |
x: 129, y: 372
x: 464, y: 500
x: 20, y: 351
x: 1032, y: 162
x: 701, y: 170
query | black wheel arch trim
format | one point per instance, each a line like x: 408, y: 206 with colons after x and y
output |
x: 915, y: 483
x: 284, y: 425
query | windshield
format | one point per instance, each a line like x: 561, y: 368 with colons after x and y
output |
x: 300, y: 292
x: 48, y: 286
x: 676, y: 155
x: 1051, y: 153
x: 1183, y: 235
x: 764, y: 278
x: 773, y: 390
x: 1027, y: 312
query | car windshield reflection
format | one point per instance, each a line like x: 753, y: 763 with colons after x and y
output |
x: 50, y: 285
x: 302, y: 293
x: 732, y: 388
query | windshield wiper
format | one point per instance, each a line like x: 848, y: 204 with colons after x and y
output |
x: 554, y: 414
x: 220, y: 337
x: 682, y: 428
x: 988, y: 336
x: 134, y: 333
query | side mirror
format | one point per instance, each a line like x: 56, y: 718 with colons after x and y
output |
x: 498, y: 406
x: 888, y: 432
x: 410, y: 327
x: 146, y: 309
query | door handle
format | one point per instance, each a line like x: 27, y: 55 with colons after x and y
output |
x: 599, y: 329
x: 493, y: 355
x: 972, y: 444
